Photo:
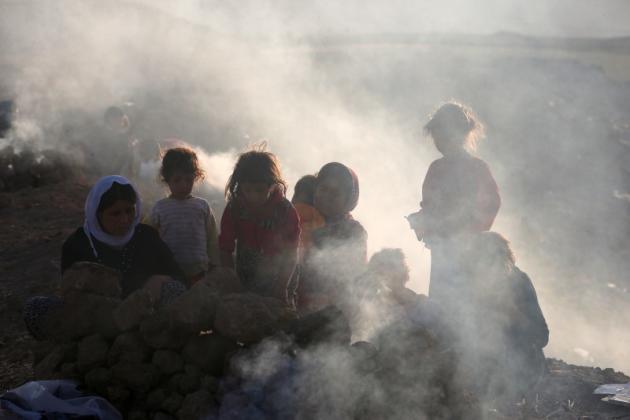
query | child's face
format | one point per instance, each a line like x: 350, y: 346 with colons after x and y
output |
x: 255, y: 193
x: 331, y: 199
x: 117, y: 219
x: 448, y: 142
x: 181, y: 184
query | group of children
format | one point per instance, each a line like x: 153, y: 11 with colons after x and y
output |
x: 311, y: 253
x: 274, y: 245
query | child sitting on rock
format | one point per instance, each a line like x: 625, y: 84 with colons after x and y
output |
x: 260, y: 224
x: 185, y: 222
x: 506, y: 327
x: 339, y: 248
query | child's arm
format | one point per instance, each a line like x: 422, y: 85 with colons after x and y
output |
x: 227, y: 238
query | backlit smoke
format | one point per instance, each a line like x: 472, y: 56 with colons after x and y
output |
x: 557, y: 116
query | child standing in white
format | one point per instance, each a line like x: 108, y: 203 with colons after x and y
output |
x: 185, y: 222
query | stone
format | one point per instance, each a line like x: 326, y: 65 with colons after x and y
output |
x: 92, y: 352
x: 98, y: 379
x: 128, y: 347
x: 223, y: 281
x: 209, y: 352
x: 117, y: 394
x: 328, y: 325
x: 210, y: 383
x: 47, y: 367
x: 137, y: 415
x: 155, y: 398
x: 136, y: 307
x: 197, y: 405
x: 172, y: 403
x: 167, y: 361
x: 159, y: 332
x: 248, y: 318
x: 139, y: 377
x: 188, y: 383
x: 91, y: 278
x: 162, y: 416
x: 69, y: 370
x: 194, y: 310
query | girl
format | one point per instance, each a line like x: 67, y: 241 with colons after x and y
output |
x: 459, y: 195
x: 185, y: 222
x: 338, y: 249
x: 260, y: 224
x: 112, y: 235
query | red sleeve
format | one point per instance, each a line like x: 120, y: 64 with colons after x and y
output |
x: 227, y: 237
x: 488, y: 199
x: 292, y: 233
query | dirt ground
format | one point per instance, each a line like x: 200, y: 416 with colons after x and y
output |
x: 35, y: 222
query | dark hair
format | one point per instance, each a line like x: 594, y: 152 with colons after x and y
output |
x: 115, y: 193
x: 255, y: 165
x: 305, y: 187
x: 459, y: 120
x: 180, y: 159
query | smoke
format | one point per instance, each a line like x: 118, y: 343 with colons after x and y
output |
x: 221, y: 75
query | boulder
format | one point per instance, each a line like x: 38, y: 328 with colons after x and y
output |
x: 91, y: 278
x: 98, y: 379
x: 248, y: 318
x: 117, y: 395
x: 92, y: 352
x: 137, y: 415
x: 47, y: 367
x: 223, y: 281
x: 172, y: 403
x: 159, y: 332
x: 69, y: 370
x: 209, y: 352
x: 167, y: 361
x: 198, y: 405
x: 328, y: 325
x: 139, y: 377
x: 155, y: 398
x: 95, y: 309
x: 194, y: 310
x: 136, y: 307
x: 128, y: 347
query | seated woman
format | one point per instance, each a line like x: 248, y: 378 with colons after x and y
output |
x: 112, y: 235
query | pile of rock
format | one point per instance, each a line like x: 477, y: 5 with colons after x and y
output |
x: 28, y: 168
x: 148, y: 360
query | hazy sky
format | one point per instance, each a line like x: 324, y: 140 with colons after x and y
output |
x: 580, y: 18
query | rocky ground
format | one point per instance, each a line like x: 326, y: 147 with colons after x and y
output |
x: 35, y: 221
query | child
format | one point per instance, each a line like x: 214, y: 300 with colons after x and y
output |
x: 338, y: 249
x: 310, y: 219
x: 459, y: 195
x: 186, y: 223
x: 260, y: 224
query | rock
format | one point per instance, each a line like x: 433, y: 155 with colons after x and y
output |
x: 248, y: 318
x: 223, y: 281
x: 155, y: 398
x: 136, y: 307
x: 172, y: 403
x: 326, y: 326
x: 194, y: 310
x: 167, y: 361
x: 91, y: 278
x: 117, y: 394
x: 139, y: 377
x: 197, y: 405
x: 162, y: 416
x: 98, y: 379
x: 210, y: 383
x: 188, y: 383
x: 128, y: 347
x: 69, y: 370
x: 47, y: 367
x: 209, y: 352
x: 92, y: 352
x: 137, y: 415
x: 158, y: 332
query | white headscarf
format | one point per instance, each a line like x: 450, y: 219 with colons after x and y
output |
x: 92, y: 227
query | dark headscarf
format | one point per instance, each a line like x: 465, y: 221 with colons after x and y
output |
x: 347, y: 178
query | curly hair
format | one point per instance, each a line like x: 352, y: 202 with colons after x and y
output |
x: 180, y: 159
x: 256, y: 165
x: 458, y: 120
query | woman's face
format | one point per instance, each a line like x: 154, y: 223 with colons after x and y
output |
x: 331, y: 199
x: 255, y: 193
x: 116, y: 220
